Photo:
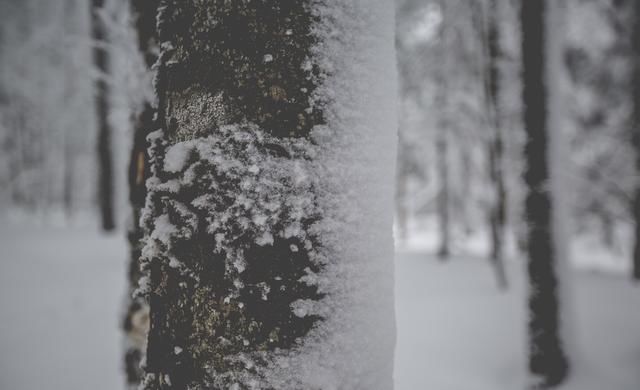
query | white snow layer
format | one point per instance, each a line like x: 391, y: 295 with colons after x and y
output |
x: 355, y: 165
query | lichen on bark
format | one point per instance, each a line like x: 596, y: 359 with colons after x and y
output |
x: 254, y: 55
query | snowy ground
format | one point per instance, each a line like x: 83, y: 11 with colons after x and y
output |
x: 456, y: 331
x: 61, y: 293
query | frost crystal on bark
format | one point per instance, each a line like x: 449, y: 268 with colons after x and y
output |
x: 244, y: 198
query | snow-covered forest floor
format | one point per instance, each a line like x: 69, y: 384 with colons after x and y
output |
x: 61, y: 300
x: 61, y: 294
x: 456, y: 331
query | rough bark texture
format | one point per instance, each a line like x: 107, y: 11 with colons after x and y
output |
x: 547, y: 359
x: 234, y: 79
x: 495, y: 148
x: 636, y: 132
x: 105, y: 163
x: 136, y: 320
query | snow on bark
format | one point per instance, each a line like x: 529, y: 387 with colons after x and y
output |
x: 353, y: 347
x: 268, y: 249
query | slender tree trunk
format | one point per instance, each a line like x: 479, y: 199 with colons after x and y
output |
x: 402, y: 215
x: 466, y: 188
x: 497, y: 212
x: 105, y: 163
x: 444, y: 217
x: 136, y: 321
x: 636, y: 133
x: 607, y: 225
x: 236, y: 244
x: 68, y: 175
x: 442, y: 145
x: 495, y: 152
x: 548, y: 361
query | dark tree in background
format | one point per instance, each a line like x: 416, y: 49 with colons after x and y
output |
x: 402, y: 179
x: 495, y: 145
x: 105, y: 163
x: 221, y: 287
x: 547, y: 358
x: 442, y: 153
x: 443, y: 201
x: 136, y: 321
x: 635, y: 17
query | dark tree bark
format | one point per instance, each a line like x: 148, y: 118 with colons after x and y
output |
x: 136, y: 321
x: 547, y: 358
x: 636, y: 132
x: 495, y: 148
x: 227, y: 70
x: 105, y: 163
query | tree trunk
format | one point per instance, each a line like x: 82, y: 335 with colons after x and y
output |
x: 466, y: 189
x: 547, y: 358
x: 442, y: 144
x: 402, y: 214
x: 444, y: 217
x: 68, y: 174
x: 249, y: 282
x: 636, y: 133
x: 136, y: 320
x: 607, y: 226
x: 105, y: 163
x: 495, y: 152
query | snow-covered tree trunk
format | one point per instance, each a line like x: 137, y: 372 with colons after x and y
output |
x: 136, y: 321
x: 548, y: 362
x: 105, y: 163
x: 636, y: 132
x: 495, y: 147
x: 268, y: 247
